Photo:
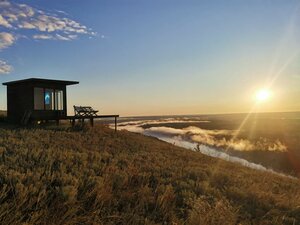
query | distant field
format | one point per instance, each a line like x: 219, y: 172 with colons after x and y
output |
x: 97, y: 176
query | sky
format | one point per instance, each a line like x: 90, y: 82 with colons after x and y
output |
x: 157, y: 57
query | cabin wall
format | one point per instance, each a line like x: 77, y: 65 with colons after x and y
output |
x: 19, y: 99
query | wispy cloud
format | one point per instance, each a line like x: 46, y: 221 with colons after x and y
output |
x: 4, y: 22
x: 6, y: 40
x: 55, y: 37
x: 43, y: 25
x: 26, y: 17
x: 43, y: 36
x: 5, y: 68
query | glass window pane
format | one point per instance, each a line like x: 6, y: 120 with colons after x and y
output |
x: 59, y: 100
x: 49, y: 99
x: 38, y: 98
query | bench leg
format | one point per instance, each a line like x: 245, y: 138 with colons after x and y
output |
x: 115, y: 123
x: 92, y: 121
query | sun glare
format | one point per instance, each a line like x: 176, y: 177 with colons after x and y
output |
x: 262, y: 95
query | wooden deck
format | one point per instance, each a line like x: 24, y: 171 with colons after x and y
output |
x: 91, y: 118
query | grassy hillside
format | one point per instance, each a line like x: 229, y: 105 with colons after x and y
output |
x: 97, y: 176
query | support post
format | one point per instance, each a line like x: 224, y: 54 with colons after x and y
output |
x: 115, y: 123
x: 92, y: 121
x: 73, y: 122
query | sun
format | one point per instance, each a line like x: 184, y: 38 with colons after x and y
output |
x: 262, y: 95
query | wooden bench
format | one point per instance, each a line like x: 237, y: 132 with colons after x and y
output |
x: 87, y: 112
x: 84, y: 111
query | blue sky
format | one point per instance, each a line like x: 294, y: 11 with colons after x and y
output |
x: 157, y: 57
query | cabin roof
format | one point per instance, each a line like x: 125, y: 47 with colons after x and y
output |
x: 40, y: 80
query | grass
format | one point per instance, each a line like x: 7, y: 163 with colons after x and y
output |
x: 97, y: 176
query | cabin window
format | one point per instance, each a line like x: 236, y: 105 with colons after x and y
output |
x: 59, y: 100
x: 49, y: 99
x: 38, y: 98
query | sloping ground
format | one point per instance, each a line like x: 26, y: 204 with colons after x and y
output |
x: 98, y: 176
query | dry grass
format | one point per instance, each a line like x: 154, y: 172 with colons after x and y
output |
x: 97, y: 176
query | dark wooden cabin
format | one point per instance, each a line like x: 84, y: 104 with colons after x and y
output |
x: 37, y: 99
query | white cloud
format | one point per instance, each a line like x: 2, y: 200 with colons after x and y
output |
x: 26, y: 25
x: 55, y: 37
x: 26, y: 17
x: 43, y: 25
x: 4, y: 22
x: 62, y: 12
x: 6, y: 40
x: 62, y: 38
x: 43, y: 36
x: 5, y: 68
